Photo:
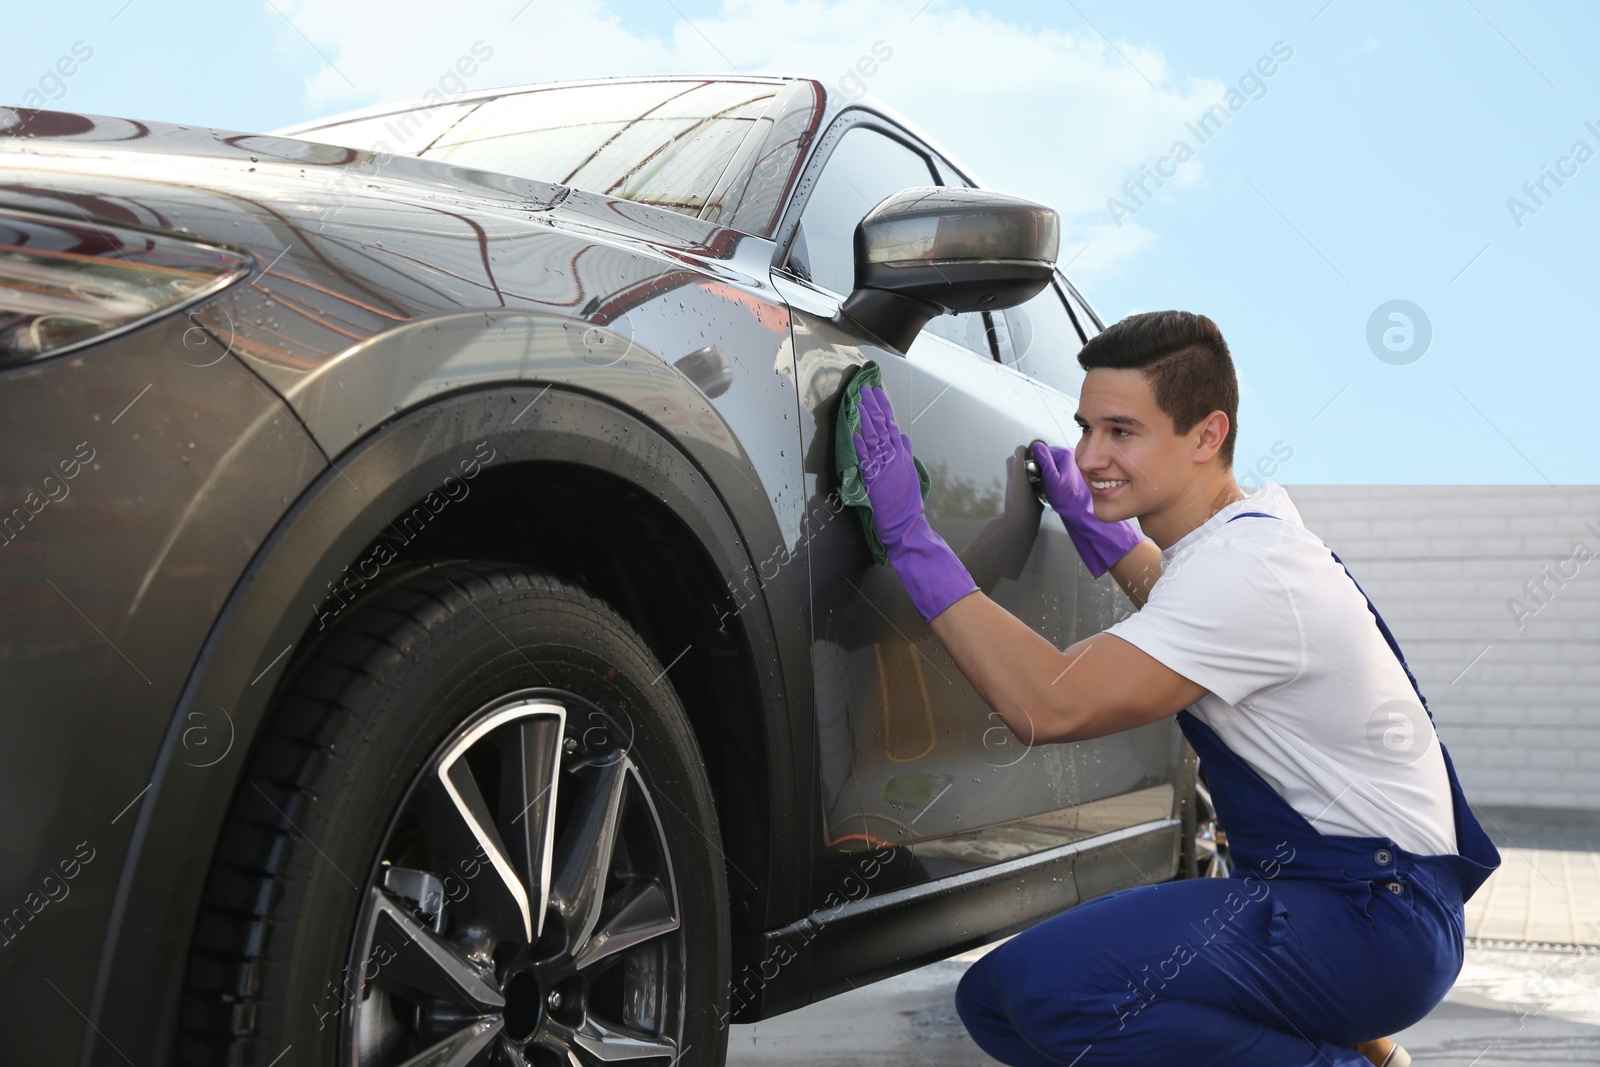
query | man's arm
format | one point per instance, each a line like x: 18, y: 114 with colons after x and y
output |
x: 1138, y: 570
x: 1101, y: 685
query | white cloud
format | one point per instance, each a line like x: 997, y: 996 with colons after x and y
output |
x: 1063, y: 118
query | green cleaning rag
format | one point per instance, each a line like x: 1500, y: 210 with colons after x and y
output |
x: 852, y: 490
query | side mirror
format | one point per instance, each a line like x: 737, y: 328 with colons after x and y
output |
x: 930, y: 251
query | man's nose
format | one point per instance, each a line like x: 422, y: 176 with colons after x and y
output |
x: 1093, y: 451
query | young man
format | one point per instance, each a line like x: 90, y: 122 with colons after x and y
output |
x: 1352, y: 844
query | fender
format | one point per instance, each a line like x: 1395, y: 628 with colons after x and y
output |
x: 250, y: 648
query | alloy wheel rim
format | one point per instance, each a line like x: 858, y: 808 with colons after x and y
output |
x: 522, y: 909
x: 1210, y: 841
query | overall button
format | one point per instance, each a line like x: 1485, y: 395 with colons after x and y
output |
x: 1395, y: 887
x: 1382, y: 857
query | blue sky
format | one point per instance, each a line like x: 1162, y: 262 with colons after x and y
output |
x: 1373, y: 165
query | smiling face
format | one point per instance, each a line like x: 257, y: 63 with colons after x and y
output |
x: 1125, y: 439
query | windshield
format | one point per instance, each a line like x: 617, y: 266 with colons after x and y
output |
x: 666, y: 143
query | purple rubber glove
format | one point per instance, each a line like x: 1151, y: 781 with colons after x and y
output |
x: 928, y: 568
x: 1100, y: 544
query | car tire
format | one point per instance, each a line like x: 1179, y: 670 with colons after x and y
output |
x: 373, y: 897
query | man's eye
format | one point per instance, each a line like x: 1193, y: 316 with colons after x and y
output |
x: 1120, y: 430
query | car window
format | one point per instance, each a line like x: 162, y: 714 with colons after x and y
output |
x: 865, y: 167
x: 1087, y: 323
x: 971, y: 330
x: 401, y: 133
x: 780, y: 138
x: 1038, y: 338
x: 663, y: 143
x: 949, y: 175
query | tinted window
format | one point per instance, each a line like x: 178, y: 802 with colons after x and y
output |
x: 969, y: 330
x: 403, y: 132
x: 664, y: 143
x: 1039, y: 339
x: 1081, y: 312
x: 949, y: 175
x: 782, y: 135
x: 865, y: 167
x: 973, y: 329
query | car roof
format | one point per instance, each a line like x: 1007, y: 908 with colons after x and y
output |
x: 511, y: 90
x: 833, y: 105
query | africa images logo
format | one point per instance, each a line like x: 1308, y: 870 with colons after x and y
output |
x: 1399, y: 732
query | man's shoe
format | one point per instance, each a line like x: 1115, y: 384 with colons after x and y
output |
x: 1397, y: 1057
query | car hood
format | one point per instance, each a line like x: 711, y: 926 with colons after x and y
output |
x: 349, y: 246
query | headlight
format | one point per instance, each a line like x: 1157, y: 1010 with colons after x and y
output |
x: 64, y: 284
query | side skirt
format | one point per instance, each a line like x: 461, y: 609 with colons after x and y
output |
x: 833, y: 950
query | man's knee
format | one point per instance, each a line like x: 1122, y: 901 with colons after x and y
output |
x: 984, y: 1016
x: 975, y: 992
x: 1019, y: 998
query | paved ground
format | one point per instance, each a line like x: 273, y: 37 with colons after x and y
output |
x: 1539, y: 895
x: 1528, y: 993
x: 1547, y: 889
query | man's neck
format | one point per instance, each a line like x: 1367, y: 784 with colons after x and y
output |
x: 1202, y: 500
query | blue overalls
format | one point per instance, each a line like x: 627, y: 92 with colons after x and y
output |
x: 1315, y: 943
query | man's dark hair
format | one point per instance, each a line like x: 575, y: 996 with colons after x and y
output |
x: 1184, y: 358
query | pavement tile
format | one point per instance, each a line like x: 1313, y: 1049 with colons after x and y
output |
x: 1543, y: 896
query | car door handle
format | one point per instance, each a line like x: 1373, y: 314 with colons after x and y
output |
x: 1035, y: 475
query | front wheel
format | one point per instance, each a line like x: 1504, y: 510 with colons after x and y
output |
x: 478, y: 832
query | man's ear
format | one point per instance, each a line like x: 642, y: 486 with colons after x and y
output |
x: 1213, y: 430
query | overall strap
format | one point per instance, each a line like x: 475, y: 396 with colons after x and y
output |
x: 1476, y: 855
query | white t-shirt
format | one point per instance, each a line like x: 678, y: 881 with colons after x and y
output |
x: 1302, y: 685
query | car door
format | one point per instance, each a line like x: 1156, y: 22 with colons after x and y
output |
x: 1126, y: 778
x: 910, y: 754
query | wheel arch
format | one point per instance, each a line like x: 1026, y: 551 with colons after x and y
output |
x: 271, y: 618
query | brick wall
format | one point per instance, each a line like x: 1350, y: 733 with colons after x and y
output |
x: 1494, y: 595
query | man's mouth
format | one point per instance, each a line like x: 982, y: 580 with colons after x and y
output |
x: 1106, y: 488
